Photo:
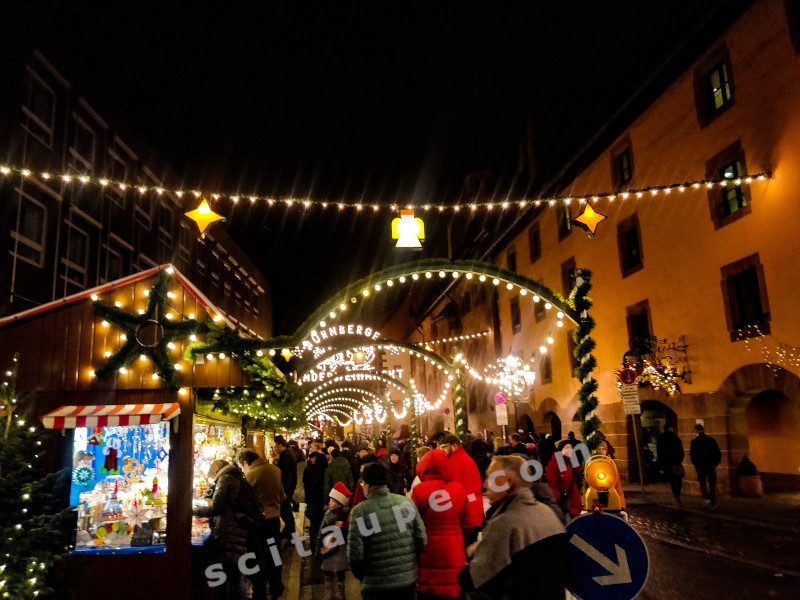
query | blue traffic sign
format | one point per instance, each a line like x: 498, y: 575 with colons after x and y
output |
x: 609, y: 559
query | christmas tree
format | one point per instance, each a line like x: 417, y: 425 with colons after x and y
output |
x: 30, y: 522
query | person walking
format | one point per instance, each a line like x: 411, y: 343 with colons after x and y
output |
x: 338, y: 471
x: 442, y: 503
x: 288, y: 466
x: 266, y: 481
x: 229, y: 521
x: 399, y: 475
x: 314, y: 485
x: 334, y: 558
x: 481, y: 455
x: 517, y: 446
x: 463, y: 470
x: 547, y: 448
x: 705, y: 456
x: 385, y: 538
x: 523, y: 552
x: 565, y: 484
x: 669, y: 450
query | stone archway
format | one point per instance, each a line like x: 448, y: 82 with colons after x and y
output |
x: 654, y: 418
x: 553, y: 426
x: 760, y: 397
x: 525, y: 424
x: 773, y: 420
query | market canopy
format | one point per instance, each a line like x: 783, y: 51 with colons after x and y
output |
x: 110, y: 415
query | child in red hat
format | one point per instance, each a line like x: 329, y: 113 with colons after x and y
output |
x: 332, y: 540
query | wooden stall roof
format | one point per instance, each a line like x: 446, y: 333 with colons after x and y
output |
x: 62, y: 342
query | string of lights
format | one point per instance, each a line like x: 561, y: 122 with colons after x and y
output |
x: 782, y: 356
x: 457, y: 338
x: 367, y: 292
x: 374, y: 207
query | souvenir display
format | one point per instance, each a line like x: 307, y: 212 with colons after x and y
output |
x: 119, y: 484
x: 212, y: 442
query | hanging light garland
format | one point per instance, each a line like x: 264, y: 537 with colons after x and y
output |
x: 782, y: 356
x: 375, y: 207
x: 511, y: 375
x: 457, y: 338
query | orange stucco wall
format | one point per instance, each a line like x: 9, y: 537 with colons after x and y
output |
x: 682, y: 251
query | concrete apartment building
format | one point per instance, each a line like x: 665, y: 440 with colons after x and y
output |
x: 58, y: 238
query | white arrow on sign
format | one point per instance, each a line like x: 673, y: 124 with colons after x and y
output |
x: 620, y: 573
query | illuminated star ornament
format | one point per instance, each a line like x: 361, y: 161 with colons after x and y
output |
x: 148, y: 334
x: 203, y: 216
x: 588, y: 220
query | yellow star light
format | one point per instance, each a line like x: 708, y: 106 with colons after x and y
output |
x: 204, y: 216
x: 588, y: 220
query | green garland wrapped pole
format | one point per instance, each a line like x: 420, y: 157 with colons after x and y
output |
x: 388, y: 436
x: 413, y: 434
x: 459, y: 397
x: 584, y: 344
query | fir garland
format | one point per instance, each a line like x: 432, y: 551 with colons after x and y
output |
x: 271, y: 401
x: 459, y: 397
x: 584, y: 344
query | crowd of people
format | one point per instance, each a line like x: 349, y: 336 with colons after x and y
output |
x: 466, y: 519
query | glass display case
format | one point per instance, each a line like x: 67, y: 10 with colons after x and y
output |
x: 119, y: 486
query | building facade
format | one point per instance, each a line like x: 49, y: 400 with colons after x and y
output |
x: 59, y: 237
x: 703, y: 277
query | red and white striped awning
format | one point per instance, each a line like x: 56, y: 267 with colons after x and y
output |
x: 110, y: 415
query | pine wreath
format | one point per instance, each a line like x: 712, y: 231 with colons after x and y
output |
x: 82, y: 474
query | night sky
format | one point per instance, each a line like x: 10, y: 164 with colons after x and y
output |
x: 381, y: 101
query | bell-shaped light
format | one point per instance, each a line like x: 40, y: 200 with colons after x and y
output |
x: 408, y: 230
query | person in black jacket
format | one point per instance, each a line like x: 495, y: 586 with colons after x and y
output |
x: 670, y: 459
x: 705, y: 454
x: 314, y: 484
x: 288, y: 466
x: 399, y: 477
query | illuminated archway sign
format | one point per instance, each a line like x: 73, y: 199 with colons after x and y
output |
x: 326, y: 333
x: 575, y: 308
x: 342, y: 381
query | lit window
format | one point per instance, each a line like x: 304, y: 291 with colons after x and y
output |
x: 718, y: 87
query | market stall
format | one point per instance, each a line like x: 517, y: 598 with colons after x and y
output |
x: 120, y: 474
x: 214, y: 439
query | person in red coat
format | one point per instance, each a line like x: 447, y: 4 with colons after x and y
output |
x: 565, y: 484
x: 442, y: 503
x: 464, y: 470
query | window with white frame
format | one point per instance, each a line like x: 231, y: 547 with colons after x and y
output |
x: 39, y: 111
x: 165, y: 223
x: 142, y: 209
x: 82, y: 147
x: 76, y: 257
x: 30, y: 233
x: 184, y: 242
x: 117, y: 173
x: 114, y: 265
